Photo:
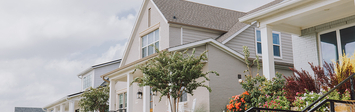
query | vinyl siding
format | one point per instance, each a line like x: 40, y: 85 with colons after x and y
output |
x: 175, y: 36
x: 192, y: 35
x: 228, y: 67
x: 102, y: 70
x: 247, y: 38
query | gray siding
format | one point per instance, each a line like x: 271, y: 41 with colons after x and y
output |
x: 247, y: 38
x: 175, y: 36
x: 191, y: 35
x: 226, y: 85
x: 286, y: 46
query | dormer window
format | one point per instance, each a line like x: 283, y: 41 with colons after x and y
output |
x: 149, y: 42
x: 86, y: 81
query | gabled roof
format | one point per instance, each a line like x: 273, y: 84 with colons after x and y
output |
x: 28, y: 109
x: 199, y: 15
x: 99, y: 65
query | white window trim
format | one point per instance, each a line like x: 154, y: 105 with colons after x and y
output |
x: 256, y: 44
x: 124, y: 104
x: 337, y: 30
x: 141, y: 40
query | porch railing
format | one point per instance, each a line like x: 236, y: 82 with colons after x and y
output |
x: 309, y: 107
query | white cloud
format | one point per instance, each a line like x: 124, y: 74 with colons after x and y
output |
x: 45, y: 44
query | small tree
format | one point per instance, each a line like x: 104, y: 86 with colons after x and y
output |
x: 95, y: 99
x: 171, y: 73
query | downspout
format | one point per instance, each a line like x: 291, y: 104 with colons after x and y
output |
x: 103, y: 78
x: 44, y: 110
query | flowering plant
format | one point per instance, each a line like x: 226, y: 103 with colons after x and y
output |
x: 238, y: 102
x: 276, y: 102
x: 303, y: 100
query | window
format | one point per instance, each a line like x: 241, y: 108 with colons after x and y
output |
x: 122, y: 100
x: 183, y: 97
x: 87, y: 81
x: 275, y: 40
x: 149, y: 42
x: 333, y: 45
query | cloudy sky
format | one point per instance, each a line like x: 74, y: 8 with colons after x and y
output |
x: 44, y: 44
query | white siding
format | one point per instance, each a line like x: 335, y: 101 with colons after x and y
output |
x: 102, y: 70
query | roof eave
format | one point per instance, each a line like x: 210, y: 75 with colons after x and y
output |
x: 248, y: 19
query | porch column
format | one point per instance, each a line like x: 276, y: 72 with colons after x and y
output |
x: 112, y: 99
x: 130, y: 94
x: 146, y: 99
x: 71, y: 106
x: 55, y: 109
x: 267, y: 51
x: 61, y: 107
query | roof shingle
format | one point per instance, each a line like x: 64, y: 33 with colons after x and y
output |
x: 200, y: 15
x: 28, y: 109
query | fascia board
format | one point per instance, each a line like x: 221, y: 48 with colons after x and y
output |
x: 138, y: 19
x: 130, y: 40
x: 268, y: 11
x: 237, y: 33
x: 56, y: 103
x: 85, y: 71
x: 212, y: 41
x: 166, y: 21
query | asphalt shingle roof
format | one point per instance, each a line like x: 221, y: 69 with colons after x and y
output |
x: 200, y: 15
x: 28, y: 109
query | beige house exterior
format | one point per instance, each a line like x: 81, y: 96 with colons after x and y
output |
x: 177, y: 25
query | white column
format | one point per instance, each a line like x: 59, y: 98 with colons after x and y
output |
x: 55, y: 109
x: 130, y: 94
x: 62, y: 107
x: 71, y: 106
x: 112, y: 99
x: 49, y: 110
x: 267, y: 52
x: 146, y: 99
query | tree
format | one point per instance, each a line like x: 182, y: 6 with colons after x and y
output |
x: 95, y: 99
x: 171, y: 73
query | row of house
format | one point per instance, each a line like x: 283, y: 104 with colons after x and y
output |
x: 284, y: 33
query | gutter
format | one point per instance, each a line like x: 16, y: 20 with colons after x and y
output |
x: 268, y: 11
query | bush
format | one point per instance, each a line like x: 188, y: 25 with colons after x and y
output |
x: 307, y: 98
x: 259, y: 91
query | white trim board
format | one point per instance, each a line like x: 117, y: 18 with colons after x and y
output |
x: 135, y: 28
x: 237, y: 33
x: 213, y: 42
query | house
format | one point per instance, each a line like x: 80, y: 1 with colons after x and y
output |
x: 28, y: 109
x: 89, y: 78
x: 177, y: 25
x: 322, y: 30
